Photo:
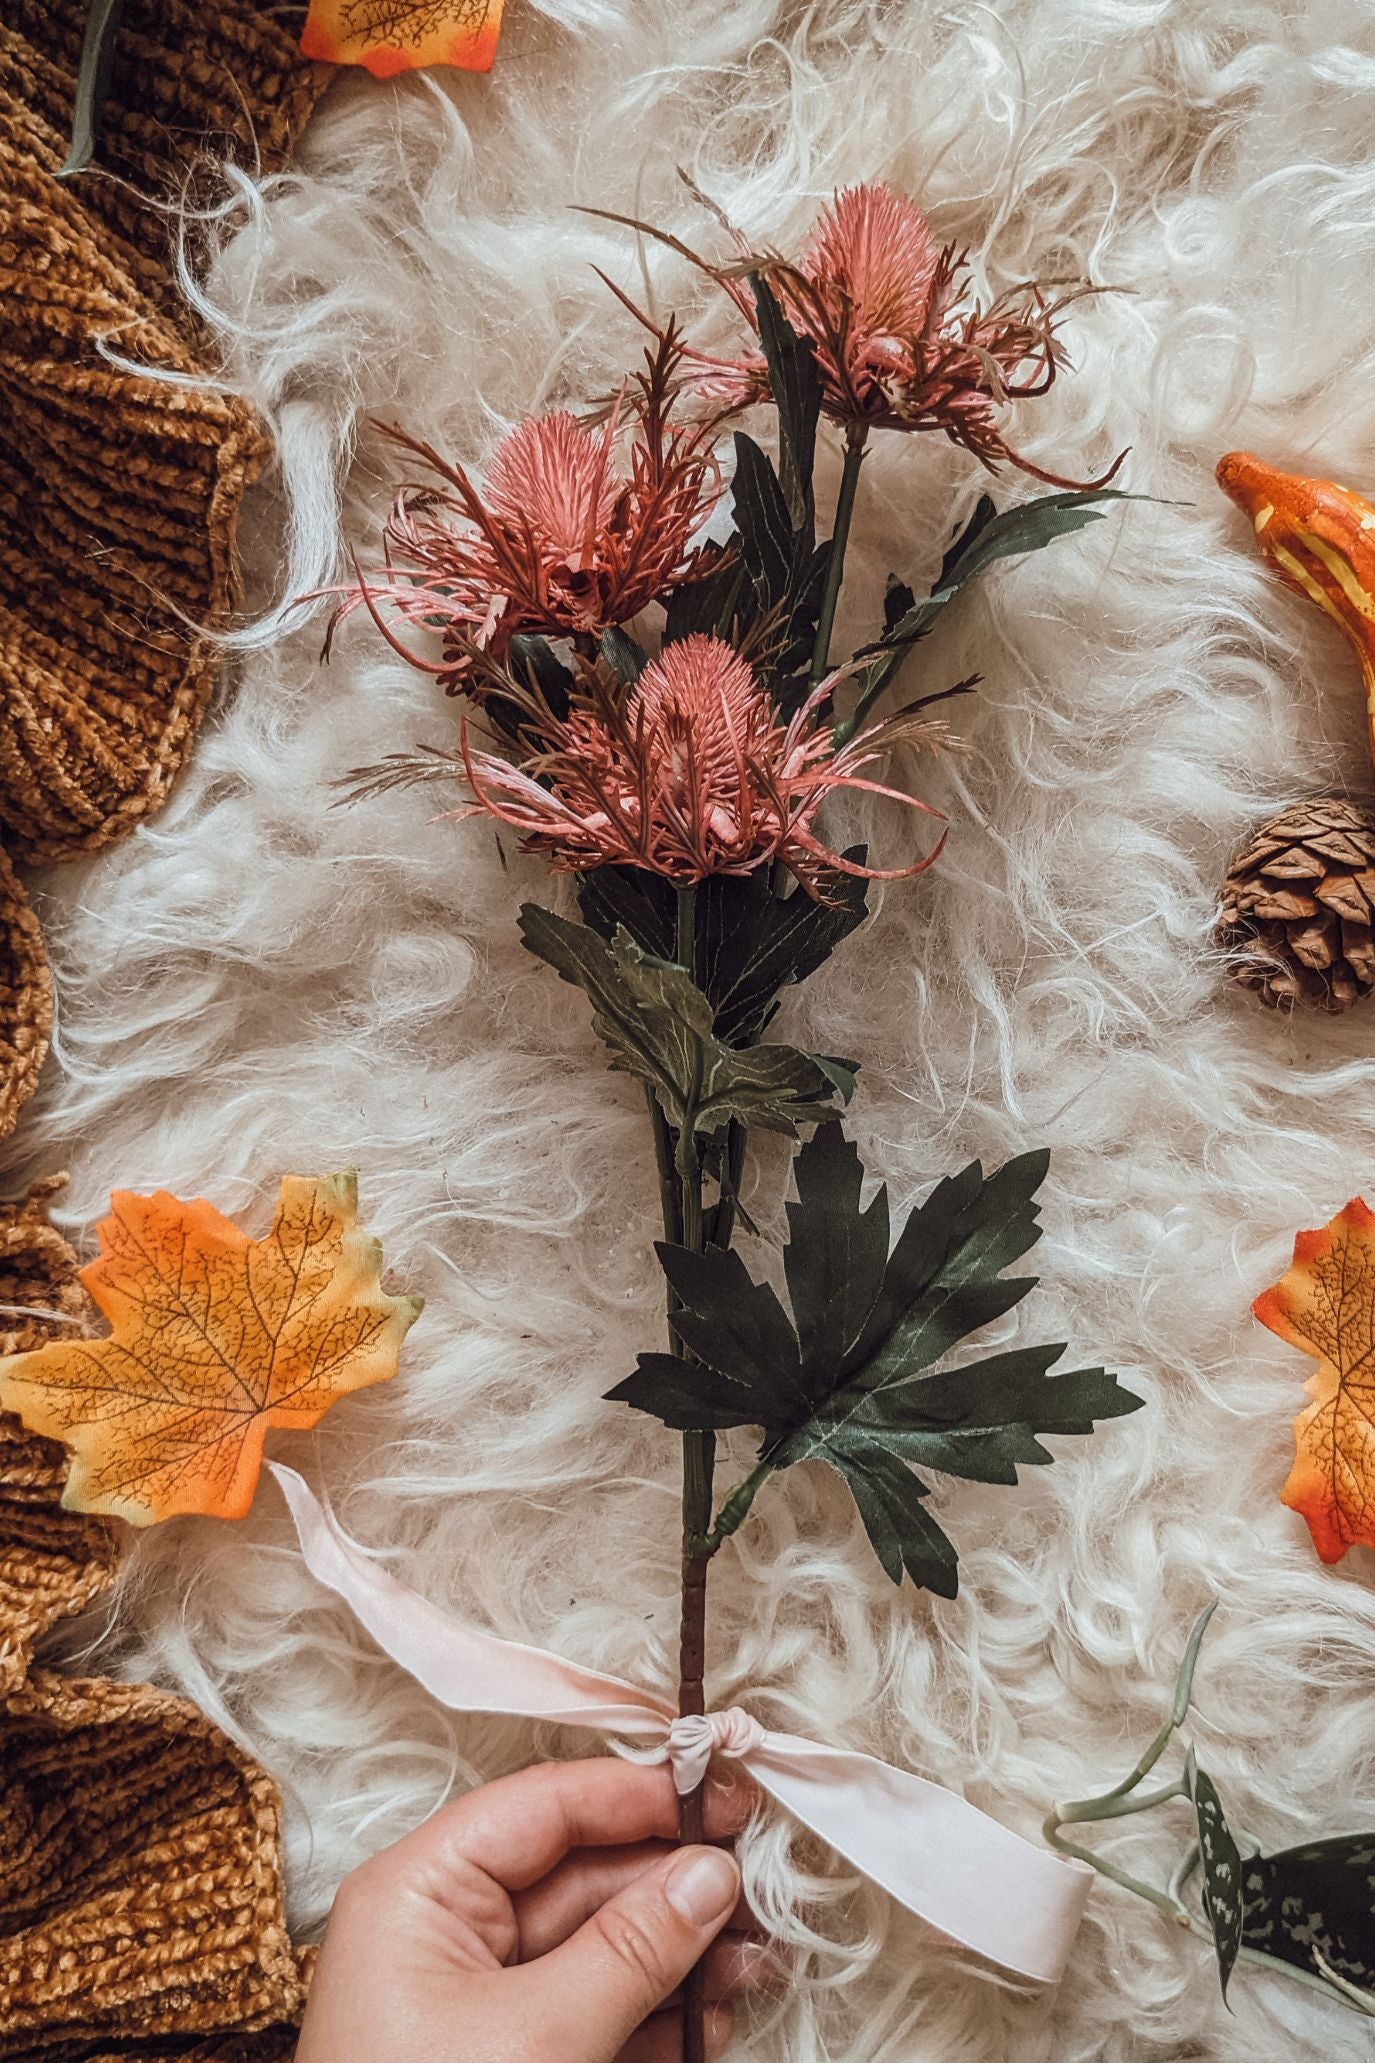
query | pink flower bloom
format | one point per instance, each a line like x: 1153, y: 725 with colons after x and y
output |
x: 898, y: 345
x: 563, y: 538
x: 691, y: 773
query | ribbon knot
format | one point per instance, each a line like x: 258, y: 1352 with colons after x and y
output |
x: 975, y: 1880
x: 695, y: 1737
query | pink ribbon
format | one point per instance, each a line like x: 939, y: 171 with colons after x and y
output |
x: 937, y: 1854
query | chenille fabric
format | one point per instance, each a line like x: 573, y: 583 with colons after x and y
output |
x: 141, y: 1903
x: 25, y: 998
x: 119, y: 495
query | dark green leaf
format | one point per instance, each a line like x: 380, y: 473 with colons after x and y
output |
x: 985, y: 510
x: 898, y: 598
x: 836, y: 1254
x: 707, y: 607
x: 1029, y: 527
x: 903, y: 1534
x: 751, y: 943
x: 535, y: 659
x: 658, y: 1026
x: 796, y: 388
x: 1318, y: 1896
x: 1222, y: 1868
x: 987, y: 538
x: 845, y: 1381
x: 761, y: 517
x: 92, y: 82
x: 625, y: 658
x: 683, y: 1397
x: 631, y: 897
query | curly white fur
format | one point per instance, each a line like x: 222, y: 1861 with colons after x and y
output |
x: 262, y: 981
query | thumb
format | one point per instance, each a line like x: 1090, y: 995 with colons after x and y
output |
x: 633, y: 1952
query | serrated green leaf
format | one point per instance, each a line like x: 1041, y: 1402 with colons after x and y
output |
x: 1029, y: 527
x: 1319, y: 1896
x: 837, y: 1253
x: 844, y: 1381
x: 657, y: 1025
x: 751, y: 943
x: 1222, y: 1871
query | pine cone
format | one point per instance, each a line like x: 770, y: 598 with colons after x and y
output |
x: 1298, y: 904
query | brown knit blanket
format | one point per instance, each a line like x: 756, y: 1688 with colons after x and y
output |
x: 119, y: 497
x: 140, y: 1888
x: 140, y: 1872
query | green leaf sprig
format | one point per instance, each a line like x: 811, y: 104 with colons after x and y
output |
x: 846, y: 1378
x: 658, y: 1026
x: 1307, y: 1912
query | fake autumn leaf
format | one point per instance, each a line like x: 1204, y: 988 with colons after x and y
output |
x: 215, y: 1338
x: 847, y: 1379
x: 390, y: 36
x: 1326, y: 1305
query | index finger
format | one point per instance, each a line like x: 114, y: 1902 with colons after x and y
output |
x: 518, y: 1828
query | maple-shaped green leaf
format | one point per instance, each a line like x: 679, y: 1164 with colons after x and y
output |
x: 847, y: 1379
x: 658, y: 1026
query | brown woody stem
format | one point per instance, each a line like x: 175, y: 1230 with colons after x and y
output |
x: 699, y: 1459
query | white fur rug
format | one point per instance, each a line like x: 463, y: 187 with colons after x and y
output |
x: 265, y: 982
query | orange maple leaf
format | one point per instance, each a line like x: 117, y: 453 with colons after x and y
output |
x: 1326, y: 1305
x: 390, y: 36
x: 215, y: 1338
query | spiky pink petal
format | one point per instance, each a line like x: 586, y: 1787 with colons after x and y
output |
x: 693, y: 775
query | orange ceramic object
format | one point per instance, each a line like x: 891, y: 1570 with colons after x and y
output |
x: 1320, y: 539
x: 390, y: 36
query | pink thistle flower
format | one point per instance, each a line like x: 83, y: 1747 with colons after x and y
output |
x: 563, y: 538
x: 898, y: 344
x: 691, y: 773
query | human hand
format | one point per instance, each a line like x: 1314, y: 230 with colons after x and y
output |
x: 544, y: 1919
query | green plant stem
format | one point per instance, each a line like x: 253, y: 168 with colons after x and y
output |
x: 1119, y: 1804
x: 840, y: 538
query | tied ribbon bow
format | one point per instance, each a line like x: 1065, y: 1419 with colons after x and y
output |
x: 938, y: 1855
x: 694, y: 1739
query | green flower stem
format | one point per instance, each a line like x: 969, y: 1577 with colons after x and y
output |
x: 735, y: 1506
x: 840, y: 538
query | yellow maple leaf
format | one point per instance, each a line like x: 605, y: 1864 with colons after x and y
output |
x: 215, y: 1338
x: 390, y: 36
x: 1326, y: 1305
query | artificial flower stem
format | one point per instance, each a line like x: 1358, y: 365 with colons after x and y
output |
x: 855, y: 435
x: 735, y: 1507
x: 699, y: 1460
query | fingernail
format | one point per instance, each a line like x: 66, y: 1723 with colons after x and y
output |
x: 702, y: 1886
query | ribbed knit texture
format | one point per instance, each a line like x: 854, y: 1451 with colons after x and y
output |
x: 141, y: 1906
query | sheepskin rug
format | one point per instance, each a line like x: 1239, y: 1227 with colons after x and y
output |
x: 263, y: 981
